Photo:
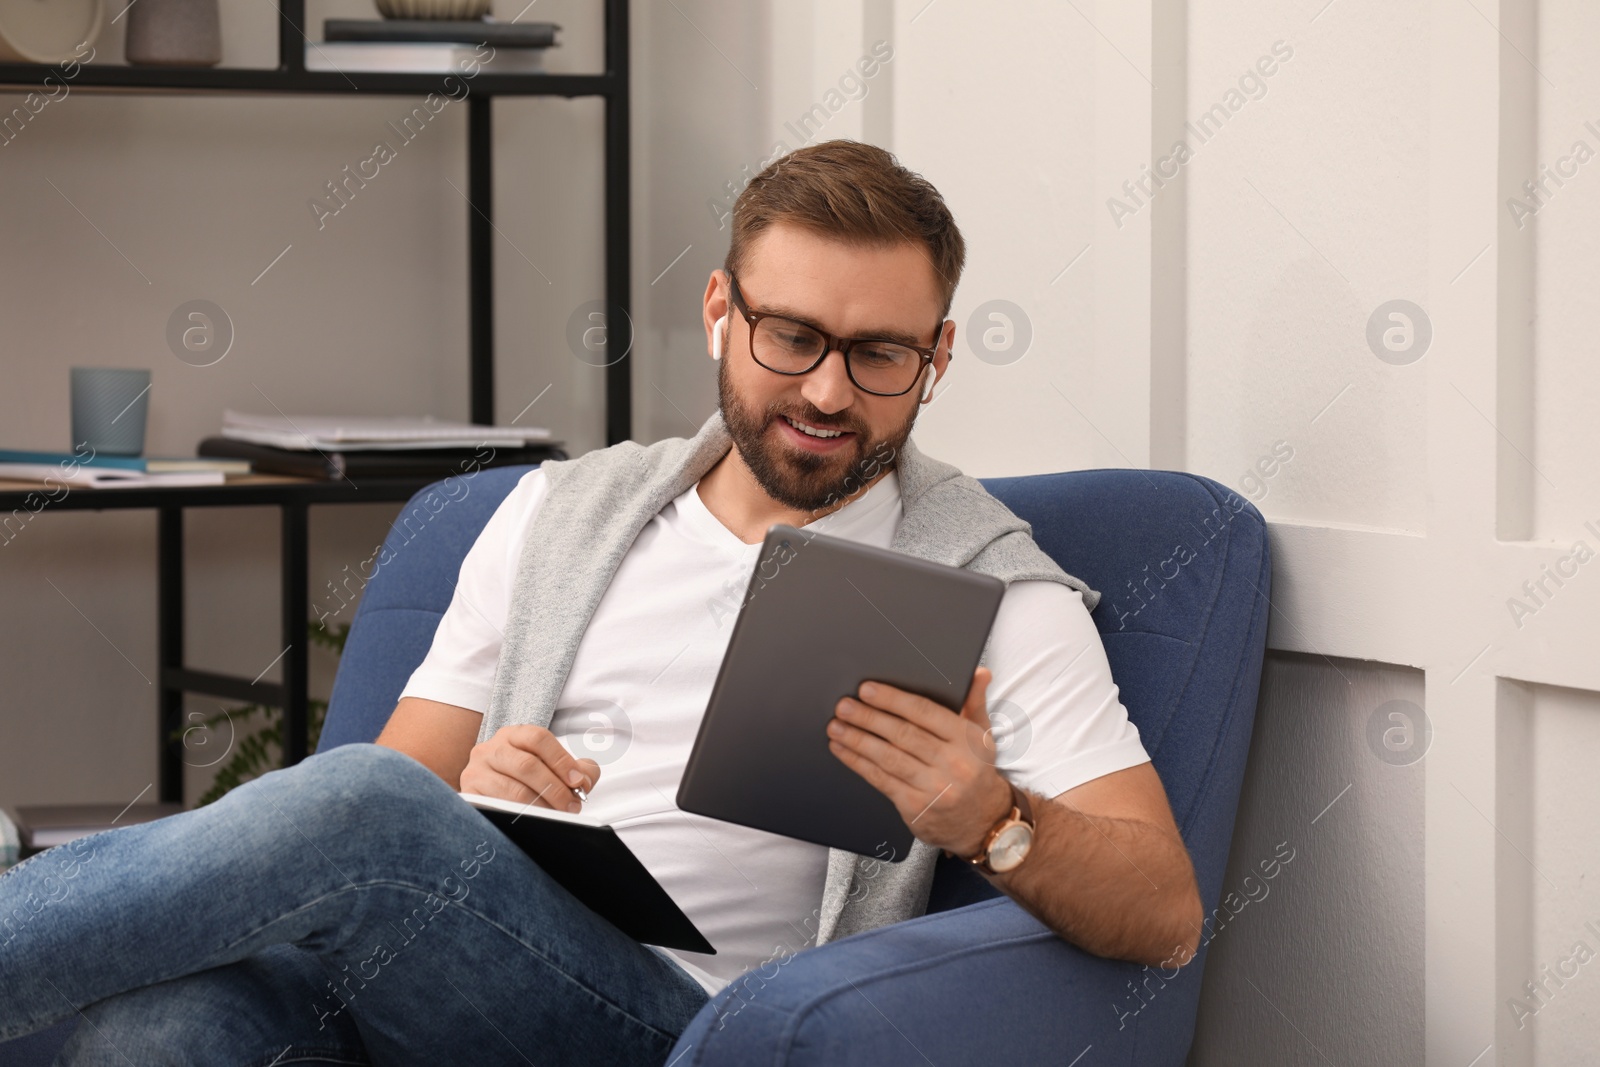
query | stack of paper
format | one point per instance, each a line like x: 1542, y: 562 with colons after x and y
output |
x: 443, y: 46
x: 358, y: 433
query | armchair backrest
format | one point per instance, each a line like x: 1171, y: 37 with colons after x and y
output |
x: 1181, y: 562
x: 407, y: 596
x: 1183, y: 568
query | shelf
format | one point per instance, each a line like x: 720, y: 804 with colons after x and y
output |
x: 245, y: 490
x: 290, y: 77
x: 293, y: 497
x: 113, y: 78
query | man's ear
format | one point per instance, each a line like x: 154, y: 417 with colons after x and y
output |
x: 714, y: 311
x: 941, y: 360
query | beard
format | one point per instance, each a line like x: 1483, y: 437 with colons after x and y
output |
x: 806, y: 481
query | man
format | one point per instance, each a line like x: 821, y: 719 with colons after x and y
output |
x: 352, y: 909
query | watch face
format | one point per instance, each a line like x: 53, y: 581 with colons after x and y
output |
x: 1010, y: 847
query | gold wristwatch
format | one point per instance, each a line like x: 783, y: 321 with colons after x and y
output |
x: 1007, y: 844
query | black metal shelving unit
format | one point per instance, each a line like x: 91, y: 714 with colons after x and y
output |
x: 291, y: 77
x: 294, y: 496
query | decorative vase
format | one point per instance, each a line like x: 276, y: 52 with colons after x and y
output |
x: 174, y: 33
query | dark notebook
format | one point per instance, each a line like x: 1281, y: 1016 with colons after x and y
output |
x: 459, y: 31
x: 587, y: 859
x: 373, y: 463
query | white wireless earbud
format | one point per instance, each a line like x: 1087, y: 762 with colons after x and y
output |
x: 927, y: 389
x: 716, y: 337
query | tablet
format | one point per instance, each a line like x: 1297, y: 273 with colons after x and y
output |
x: 820, y: 616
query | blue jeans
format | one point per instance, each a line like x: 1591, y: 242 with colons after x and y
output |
x: 350, y: 909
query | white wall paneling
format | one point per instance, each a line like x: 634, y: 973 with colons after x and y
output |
x: 1425, y: 499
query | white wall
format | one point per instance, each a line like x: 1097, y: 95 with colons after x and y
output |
x: 1224, y: 325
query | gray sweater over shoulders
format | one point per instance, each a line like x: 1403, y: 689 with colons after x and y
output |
x: 597, y: 504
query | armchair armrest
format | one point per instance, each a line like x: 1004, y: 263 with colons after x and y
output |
x: 982, y: 984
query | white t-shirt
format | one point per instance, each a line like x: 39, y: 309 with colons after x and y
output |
x: 644, y: 672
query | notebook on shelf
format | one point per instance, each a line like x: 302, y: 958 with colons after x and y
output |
x: 94, y: 476
x: 338, y: 464
x: 421, y: 57
x: 144, y: 464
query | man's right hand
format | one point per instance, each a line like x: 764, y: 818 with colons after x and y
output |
x: 526, y: 763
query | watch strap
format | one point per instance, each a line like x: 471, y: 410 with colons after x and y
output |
x: 1021, y: 811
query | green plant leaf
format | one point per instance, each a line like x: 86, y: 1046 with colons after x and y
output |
x: 257, y: 752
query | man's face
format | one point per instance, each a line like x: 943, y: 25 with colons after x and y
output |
x: 848, y: 291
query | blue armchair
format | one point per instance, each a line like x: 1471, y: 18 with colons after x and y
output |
x: 1183, y: 567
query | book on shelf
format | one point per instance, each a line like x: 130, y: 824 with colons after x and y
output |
x: 458, y: 31
x: 145, y: 464
x: 96, y: 476
x: 421, y: 57
x: 41, y: 826
x: 336, y: 464
x: 353, y: 433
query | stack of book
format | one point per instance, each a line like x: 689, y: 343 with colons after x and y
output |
x: 302, y: 446
x: 88, y: 468
x: 432, y: 46
x: 334, y: 448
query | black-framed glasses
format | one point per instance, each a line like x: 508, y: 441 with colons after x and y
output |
x: 788, y: 346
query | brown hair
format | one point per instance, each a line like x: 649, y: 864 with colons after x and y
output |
x: 855, y: 192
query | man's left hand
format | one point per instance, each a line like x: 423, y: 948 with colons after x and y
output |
x: 937, y: 767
